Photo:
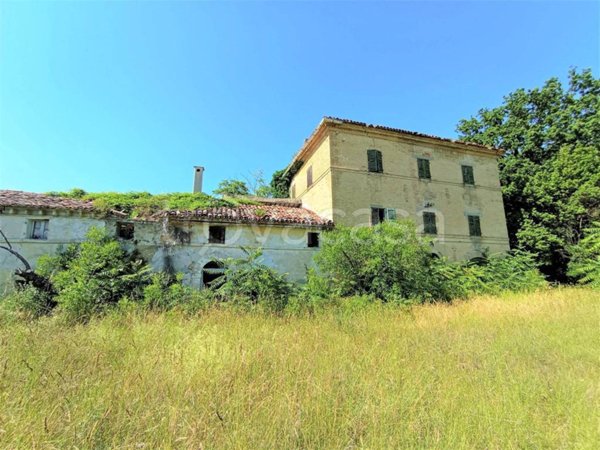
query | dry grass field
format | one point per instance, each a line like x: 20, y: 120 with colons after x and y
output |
x: 518, y: 371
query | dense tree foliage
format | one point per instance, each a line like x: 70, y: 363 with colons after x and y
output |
x: 232, y: 188
x: 550, y: 171
x: 281, y: 180
x: 585, y: 262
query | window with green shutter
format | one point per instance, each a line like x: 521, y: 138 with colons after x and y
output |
x: 467, y: 174
x: 374, y: 161
x: 474, y: 226
x: 429, y: 225
x: 424, y: 170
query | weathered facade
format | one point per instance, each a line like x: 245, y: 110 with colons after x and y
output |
x: 358, y: 174
x: 187, y: 242
x: 348, y: 173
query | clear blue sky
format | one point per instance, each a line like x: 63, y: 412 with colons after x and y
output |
x: 129, y: 96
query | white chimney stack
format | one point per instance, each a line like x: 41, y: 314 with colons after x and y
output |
x: 198, y: 172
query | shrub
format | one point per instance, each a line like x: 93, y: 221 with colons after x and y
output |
x: 585, y: 262
x: 247, y: 281
x: 514, y: 272
x: 388, y: 260
x: 27, y: 303
x: 391, y: 262
x: 165, y: 291
x: 94, y: 275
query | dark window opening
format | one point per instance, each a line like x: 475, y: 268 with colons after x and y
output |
x: 429, y: 223
x: 313, y: 239
x: 474, y: 226
x: 212, y: 271
x: 216, y: 234
x: 375, y: 161
x: 309, y: 177
x: 182, y: 236
x: 377, y: 215
x: 125, y: 230
x: 424, y: 169
x: 39, y: 229
x: 467, y: 174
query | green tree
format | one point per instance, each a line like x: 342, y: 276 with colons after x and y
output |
x: 233, y: 188
x: 585, y: 262
x: 549, y: 172
x: 281, y: 180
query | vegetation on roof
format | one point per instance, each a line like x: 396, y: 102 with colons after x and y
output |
x: 143, y: 203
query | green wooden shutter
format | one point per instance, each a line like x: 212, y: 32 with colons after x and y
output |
x: 474, y: 226
x: 390, y: 214
x: 467, y: 173
x: 424, y: 171
x: 372, y: 160
x: 379, y: 160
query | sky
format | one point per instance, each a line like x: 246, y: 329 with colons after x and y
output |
x: 129, y: 96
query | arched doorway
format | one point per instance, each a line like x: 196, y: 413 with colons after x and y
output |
x: 211, y: 271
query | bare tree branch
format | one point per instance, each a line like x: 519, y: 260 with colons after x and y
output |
x: 15, y: 253
x: 5, y: 239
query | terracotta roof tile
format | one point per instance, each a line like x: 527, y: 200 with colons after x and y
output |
x: 274, y: 213
x: 22, y: 199
x: 402, y: 131
x: 259, y: 214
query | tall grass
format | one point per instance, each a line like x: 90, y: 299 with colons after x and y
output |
x: 506, y: 372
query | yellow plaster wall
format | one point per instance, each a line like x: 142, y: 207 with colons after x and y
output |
x: 355, y: 190
x: 317, y: 197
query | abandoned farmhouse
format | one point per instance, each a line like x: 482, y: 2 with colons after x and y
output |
x: 346, y: 173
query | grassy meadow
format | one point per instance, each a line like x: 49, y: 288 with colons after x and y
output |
x: 517, y: 371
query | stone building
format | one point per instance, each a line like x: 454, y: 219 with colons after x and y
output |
x: 347, y: 173
x: 359, y: 174
x: 187, y: 242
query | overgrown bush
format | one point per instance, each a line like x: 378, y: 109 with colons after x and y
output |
x: 250, y: 282
x: 166, y: 292
x: 392, y: 262
x: 144, y: 203
x: 388, y: 261
x: 585, y: 262
x: 93, y: 275
x: 26, y: 303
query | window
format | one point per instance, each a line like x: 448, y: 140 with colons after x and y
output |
x: 467, y: 174
x: 309, y: 179
x: 211, y: 272
x: 424, y: 170
x: 474, y: 226
x: 216, y: 234
x: 378, y: 215
x: 125, y: 230
x: 429, y: 225
x: 374, y: 161
x: 38, y: 229
x: 313, y: 239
